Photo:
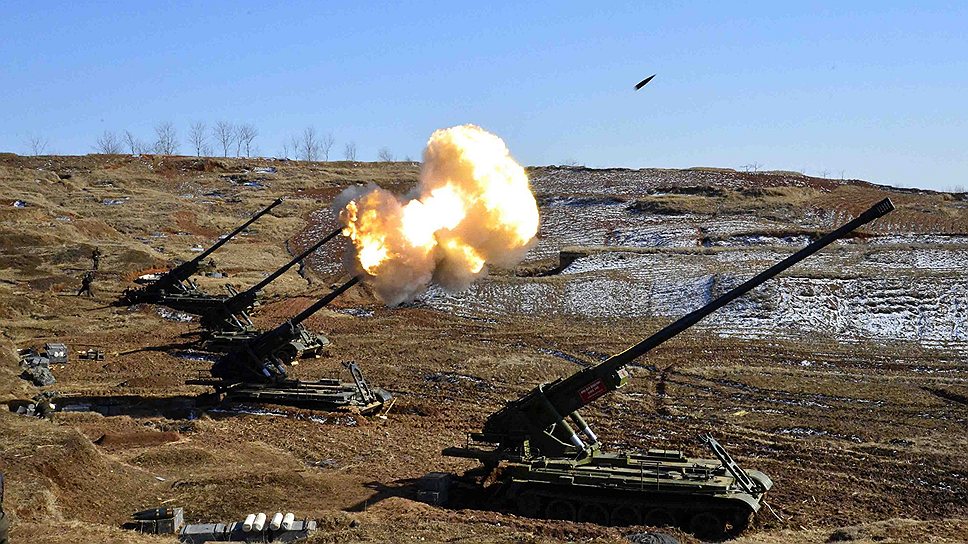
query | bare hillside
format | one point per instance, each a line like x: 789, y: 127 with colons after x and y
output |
x: 845, y: 380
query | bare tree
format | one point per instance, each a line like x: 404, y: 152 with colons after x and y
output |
x: 246, y: 134
x: 108, y: 143
x: 37, y: 144
x: 166, y: 139
x: 326, y: 144
x: 238, y: 140
x: 135, y: 146
x: 385, y: 155
x: 198, y: 139
x: 349, y: 151
x: 294, y: 145
x: 309, y: 145
x: 224, y: 133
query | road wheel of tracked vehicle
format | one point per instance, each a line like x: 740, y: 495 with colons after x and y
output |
x: 560, y: 509
x: 591, y: 512
x: 707, y: 525
x: 651, y: 538
x: 624, y: 515
x: 659, y: 517
x: 739, y: 524
x: 529, y: 504
x: 287, y: 353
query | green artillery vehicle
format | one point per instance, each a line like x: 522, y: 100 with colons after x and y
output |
x: 256, y: 371
x: 227, y: 323
x: 175, y: 288
x: 543, y: 467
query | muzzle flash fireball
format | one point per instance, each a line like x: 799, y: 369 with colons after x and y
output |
x: 473, y: 206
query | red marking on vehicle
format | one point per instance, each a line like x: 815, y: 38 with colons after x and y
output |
x: 592, y: 391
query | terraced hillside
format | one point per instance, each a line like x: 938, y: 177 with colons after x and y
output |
x: 656, y: 243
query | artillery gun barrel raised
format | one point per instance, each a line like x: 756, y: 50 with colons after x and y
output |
x: 240, y: 302
x: 547, y: 470
x: 321, y: 303
x: 566, y: 397
x: 256, y: 372
x: 265, y: 356
x: 183, y: 271
x: 173, y: 278
x: 272, y: 277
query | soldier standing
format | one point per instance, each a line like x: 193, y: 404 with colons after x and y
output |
x: 86, y: 282
x: 3, y: 516
x: 96, y: 257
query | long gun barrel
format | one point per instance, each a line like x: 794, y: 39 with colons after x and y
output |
x: 185, y: 270
x: 617, y: 361
x: 319, y: 304
x: 549, y: 404
x: 265, y: 357
x: 245, y: 299
x: 268, y: 341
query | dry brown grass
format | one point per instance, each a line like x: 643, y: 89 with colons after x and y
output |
x: 74, y: 532
x: 64, y: 488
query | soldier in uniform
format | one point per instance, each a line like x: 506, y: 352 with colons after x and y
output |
x: 45, y: 408
x: 96, y: 258
x: 86, y: 282
x: 3, y: 516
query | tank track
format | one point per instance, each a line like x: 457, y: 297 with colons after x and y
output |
x: 708, y: 518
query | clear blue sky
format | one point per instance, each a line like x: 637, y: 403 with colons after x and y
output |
x: 873, y: 90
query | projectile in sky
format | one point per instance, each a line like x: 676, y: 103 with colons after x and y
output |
x: 644, y: 82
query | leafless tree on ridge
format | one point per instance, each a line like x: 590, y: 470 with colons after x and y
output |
x: 198, y: 138
x: 224, y: 133
x: 349, y: 151
x: 166, y: 139
x: 246, y: 134
x: 108, y: 143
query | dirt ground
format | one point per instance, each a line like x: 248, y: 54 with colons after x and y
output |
x: 866, y: 444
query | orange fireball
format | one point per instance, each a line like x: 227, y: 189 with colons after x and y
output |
x: 472, y: 206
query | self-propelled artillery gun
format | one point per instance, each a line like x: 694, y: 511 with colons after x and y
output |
x: 546, y: 461
x: 175, y: 287
x: 258, y: 371
x: 226, y: 323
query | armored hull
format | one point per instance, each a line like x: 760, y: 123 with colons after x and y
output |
x: 658, y: 488
x: 307, y: 344
x: 327, y: 394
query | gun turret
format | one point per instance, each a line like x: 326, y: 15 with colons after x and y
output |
x: 232, y: 315
x: 265, y: 357
x: 538, y: 421
x: 174, y: 280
